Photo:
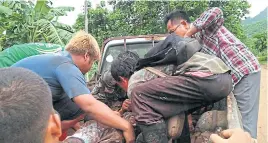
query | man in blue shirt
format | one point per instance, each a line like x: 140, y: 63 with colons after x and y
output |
x: 64, y: 75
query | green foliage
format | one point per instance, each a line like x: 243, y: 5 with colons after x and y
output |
x: 256, y: 32
x: 261, y: 41
x: 91, y: 73
x: 146, y: 17
x: 254, y: 28
x: 233, y: 12
x: 5, y: 10
x: 258, y: 45
x: 32, y: 23
x: 262, y: 58
x: 130, y: 17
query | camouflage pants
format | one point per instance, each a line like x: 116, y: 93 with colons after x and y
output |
x: 95, y: 132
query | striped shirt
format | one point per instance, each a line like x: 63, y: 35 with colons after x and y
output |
x: 217, y: 40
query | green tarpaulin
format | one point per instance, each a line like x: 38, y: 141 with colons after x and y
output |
x: 17, y: 52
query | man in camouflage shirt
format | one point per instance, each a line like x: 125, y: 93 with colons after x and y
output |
x: 108, y: 92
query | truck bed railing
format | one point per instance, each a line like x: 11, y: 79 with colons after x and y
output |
x: 233, y: 113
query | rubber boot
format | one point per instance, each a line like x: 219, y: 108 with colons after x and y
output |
x: 155, y: 133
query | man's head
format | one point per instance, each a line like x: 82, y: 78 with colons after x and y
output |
x: 26, y: 112
x: 177, y: 22
x: 84, y: 50
x: 123, y: 67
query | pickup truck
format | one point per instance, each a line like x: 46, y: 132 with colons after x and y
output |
x: 229, y: 116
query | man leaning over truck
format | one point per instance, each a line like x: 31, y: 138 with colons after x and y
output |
x: 217, y: 40
x: 64, y: 75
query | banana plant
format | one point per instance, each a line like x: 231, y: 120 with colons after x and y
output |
x: 26, y: 22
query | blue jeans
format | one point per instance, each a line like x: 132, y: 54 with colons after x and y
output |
x: 247, y: 93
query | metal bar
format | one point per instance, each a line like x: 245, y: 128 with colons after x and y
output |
x: 131, y: 37
x: 153, y: 40
x: 233, y: 113
x: 125, y: 44
x: 86, y: 19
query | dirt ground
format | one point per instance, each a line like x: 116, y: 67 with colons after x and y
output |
x: 262, y: 122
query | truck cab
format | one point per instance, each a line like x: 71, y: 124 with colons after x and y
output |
x: 113, y: 46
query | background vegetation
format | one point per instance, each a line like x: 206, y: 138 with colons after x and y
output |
x: 24, y: 22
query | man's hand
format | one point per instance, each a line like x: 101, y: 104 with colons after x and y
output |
x: 191, y: 31
x: 129, y: 134
x: 126, y: 105
x: 103, y: 114
x: 66, y: 124
x: 232, y: 136
x: 117, y: 113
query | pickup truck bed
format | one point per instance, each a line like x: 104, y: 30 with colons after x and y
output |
x: 141, y: 44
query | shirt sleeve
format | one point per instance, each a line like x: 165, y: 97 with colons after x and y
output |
x: 135, y: 80
x: 71, y: 80
x: 210, y: 21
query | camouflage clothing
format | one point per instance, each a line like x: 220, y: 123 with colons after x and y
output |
x: 108, y: 92
x: 112, y: 95
x: 202, y: 63
x: 113, y: 100
x: 95, y: 132
x: 200, y: 81
x: 144, y: 75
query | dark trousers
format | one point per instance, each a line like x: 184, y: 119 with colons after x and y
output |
x: 161, y: 98
x: 67, y: 109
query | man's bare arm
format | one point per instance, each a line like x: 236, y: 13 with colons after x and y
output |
x: 103, y: 114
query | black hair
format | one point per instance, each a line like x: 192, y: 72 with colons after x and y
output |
x: 124, y: 65
x: 25, y: 106
x: 175, y: 16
